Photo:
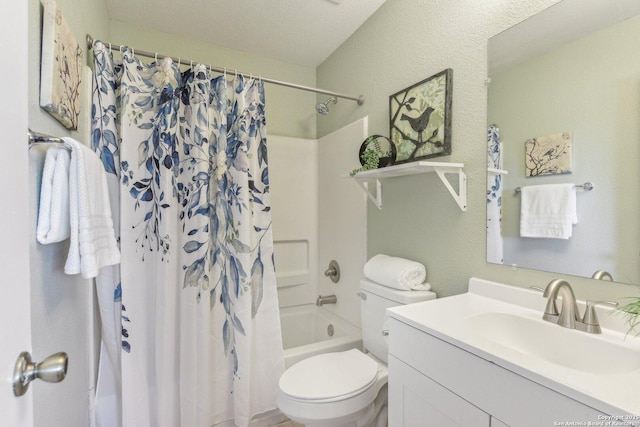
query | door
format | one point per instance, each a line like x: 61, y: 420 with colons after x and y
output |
x: 15, y: 313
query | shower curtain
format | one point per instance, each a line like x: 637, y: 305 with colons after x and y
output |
x: 494, y: 197
x: 194, y: 333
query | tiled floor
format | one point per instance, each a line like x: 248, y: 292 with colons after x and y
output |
x: 288, y: 424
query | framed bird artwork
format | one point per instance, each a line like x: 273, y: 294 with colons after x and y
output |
x: 548, y: 155
x: 420, y: 118
x: 60, y: 69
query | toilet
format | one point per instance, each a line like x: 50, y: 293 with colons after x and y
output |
x: 348, y: 388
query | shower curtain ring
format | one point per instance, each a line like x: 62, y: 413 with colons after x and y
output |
x: 178, y: 62
x: 121, y: 49
x: 133, y: 52
x: 156, y: 56
x: 191, y: 64
x: 109, y: 47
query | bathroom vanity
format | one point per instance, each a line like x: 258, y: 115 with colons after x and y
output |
x: 486, y: 358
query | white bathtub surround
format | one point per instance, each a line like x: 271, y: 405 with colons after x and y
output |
x: 318, y: 216
x: 293, y: 175
x: 349, y: 388
x: 342, y: 218
x: 305, y: 333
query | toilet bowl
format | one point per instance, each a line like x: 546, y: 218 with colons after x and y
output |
x: 334, y: 390
x: 348, y: 388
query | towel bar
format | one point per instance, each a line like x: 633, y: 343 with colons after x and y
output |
x: 587, y: 186
x: 36, y: 137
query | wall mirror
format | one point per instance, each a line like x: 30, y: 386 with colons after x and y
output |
x: 572, y: 68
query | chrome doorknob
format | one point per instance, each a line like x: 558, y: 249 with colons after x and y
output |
x: 53, y: 369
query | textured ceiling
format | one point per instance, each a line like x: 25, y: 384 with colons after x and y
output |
x: 303, y: 32
x: 563, y: 22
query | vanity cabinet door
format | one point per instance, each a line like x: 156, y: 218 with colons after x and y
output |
x: 417, y: 401
x: 512, y: 398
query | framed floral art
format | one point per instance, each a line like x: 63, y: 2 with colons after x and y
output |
x: 61, y: 68
x: 420, y: 118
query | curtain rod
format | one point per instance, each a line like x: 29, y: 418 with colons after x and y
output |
x: 358, y: 99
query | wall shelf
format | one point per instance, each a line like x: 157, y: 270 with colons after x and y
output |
x: 369, y: 180
x: 494, y: 171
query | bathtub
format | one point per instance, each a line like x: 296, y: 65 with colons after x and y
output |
x: 306, y: 332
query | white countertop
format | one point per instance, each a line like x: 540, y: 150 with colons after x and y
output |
x: 612, y: 388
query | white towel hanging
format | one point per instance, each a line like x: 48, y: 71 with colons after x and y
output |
x: 93, y: 243
x: 53, y: 213
x: 548, y: 211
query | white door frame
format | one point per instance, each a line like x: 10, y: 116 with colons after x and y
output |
x: 15, y: 303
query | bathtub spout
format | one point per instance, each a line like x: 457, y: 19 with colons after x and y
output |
x: 327, y: 299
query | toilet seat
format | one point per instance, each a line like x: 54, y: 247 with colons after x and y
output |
x: 346, y: 403
x: 329, y: 377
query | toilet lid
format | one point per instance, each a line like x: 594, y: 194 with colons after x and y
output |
x: 329, y: 375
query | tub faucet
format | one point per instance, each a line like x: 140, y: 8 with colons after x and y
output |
x: 569, y: 315
x: 326, y: 299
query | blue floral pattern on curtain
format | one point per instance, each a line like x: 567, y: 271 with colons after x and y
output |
x: 494, y: 197
x: 191, y: 156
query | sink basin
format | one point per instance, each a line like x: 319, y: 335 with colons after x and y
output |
x: 572, y: 349
x: 503, y: 324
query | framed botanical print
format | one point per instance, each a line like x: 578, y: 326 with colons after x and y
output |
x: 420, y: 118
x: 61, y: 68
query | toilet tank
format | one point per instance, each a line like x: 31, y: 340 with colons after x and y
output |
x: 374, y: 301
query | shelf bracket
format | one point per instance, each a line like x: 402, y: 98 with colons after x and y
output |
x: 459, y: 196
x: 377, y: 198
x: 370, y: 178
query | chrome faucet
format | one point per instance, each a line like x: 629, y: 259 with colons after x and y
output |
x: 326, y: 299
x: 569, y: 316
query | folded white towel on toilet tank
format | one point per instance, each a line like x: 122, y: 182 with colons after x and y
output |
x: 398, y: 273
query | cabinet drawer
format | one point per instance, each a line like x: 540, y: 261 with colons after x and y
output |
x: 513, y: 399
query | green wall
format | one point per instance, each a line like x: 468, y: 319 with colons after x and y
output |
x: 86, y: 16
x: 580, y: 87
x: 404, y: 42
x: 54, y: 295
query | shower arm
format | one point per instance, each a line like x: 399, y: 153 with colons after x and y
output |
x: 358, y: 99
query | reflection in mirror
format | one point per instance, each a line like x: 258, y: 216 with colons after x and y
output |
x: 572, y: 69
